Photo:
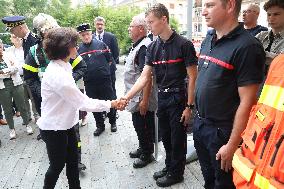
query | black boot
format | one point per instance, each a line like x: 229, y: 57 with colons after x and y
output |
x: 113, y: 127
x: 136, y: 154
x: 143, y: 161
x: 81, y: 166
x: 169, y: 180
x: 161, y: 173
x: 99, y: 131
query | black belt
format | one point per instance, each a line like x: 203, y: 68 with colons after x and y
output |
x: 7, y: 79
x: 170, y: 90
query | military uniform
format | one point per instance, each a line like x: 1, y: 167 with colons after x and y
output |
x: 29, y: 40
x: 97, y: 79
x: 235, y: 60
x: 170, y: 60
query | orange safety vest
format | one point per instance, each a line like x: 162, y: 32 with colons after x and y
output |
x: 259, y: 162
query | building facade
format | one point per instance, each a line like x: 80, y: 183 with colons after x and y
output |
x: 177, y: 8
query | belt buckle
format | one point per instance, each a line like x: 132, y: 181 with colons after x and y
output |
x: 166, y: 90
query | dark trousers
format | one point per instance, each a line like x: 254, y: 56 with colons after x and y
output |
x: 78, y: 138
x: 113, y: 79
x: 61, y: 148
x: 208, y: 138
x: 170, y: 109
x: 101, y: 91
x: 144, y: 127
x: 1, y: 114
x: 82, y: 114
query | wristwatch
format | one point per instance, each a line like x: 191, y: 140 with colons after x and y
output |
x: 190, y: 106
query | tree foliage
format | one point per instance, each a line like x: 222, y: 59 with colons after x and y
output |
x: 117, y: 18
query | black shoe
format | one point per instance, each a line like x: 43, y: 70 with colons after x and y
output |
x: 38, y: 137
x: 169, y: 180
x: 99, y: 131
x: 81, y: 167
x: 160, y: 174
x: 143, y: 161
x: 113, y: 127
x: 136, y: 154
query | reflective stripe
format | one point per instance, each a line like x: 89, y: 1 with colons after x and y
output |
x: 260, y: 116
x: 262, y: 182
x: 94, y: 51
x: 242, y: 168
x: 76, y: 61
x: 30, y: 68
x: 168, y: 61
x: 217, y: 61
x: 79, y: 145
x: 272, y: 96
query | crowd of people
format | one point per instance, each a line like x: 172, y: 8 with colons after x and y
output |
x: 63, y: 80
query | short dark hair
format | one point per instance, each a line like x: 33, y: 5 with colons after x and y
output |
x: 272, y: 3
x: 238, y: 5
x: 57, y: 42
x: 159, y: 10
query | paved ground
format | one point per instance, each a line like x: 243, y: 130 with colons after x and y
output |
x: 23, y: 162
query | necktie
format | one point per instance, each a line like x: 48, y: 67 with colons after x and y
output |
x: 100, y: 37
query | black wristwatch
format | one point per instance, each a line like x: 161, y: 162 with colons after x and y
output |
x: 190, y: 106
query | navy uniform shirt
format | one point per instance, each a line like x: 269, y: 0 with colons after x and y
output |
x: 256, y: 30
x: 235, y: 60
x: 28, y: 43
x: 98, y: 58
x: 170, y: 60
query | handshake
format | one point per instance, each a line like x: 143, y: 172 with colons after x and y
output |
x: 120, y: 104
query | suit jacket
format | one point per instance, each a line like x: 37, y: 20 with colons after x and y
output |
x: 110, y: 40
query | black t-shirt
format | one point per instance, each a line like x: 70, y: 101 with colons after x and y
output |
x: 170, y: 60
x: 233, y: 61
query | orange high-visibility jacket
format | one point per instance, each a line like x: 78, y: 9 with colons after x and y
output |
x: 259, y: 162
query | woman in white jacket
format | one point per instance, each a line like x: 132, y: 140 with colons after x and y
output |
x: 61, y: 102
x: 11, y: 87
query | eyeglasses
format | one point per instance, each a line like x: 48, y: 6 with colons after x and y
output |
x: 248, y: 11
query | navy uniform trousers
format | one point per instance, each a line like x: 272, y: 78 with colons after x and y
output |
x: 209, y: 137
x: 170, y: 108
x: 144, y: 126
x: 101, y: 91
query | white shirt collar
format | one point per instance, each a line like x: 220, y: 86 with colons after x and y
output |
x: 102, y: 34
x: 27, y: 35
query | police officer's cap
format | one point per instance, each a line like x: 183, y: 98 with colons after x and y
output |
x: 13, y: 21
x: 84, y: 27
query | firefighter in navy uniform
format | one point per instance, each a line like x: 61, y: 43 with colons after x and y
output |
x: 97, y: 79
x: 230, y: 69
x: 172, y: 58
x: 17, y: 26
x: 36, y: 63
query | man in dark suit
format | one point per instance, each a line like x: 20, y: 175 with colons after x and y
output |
x: 110, y: 40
